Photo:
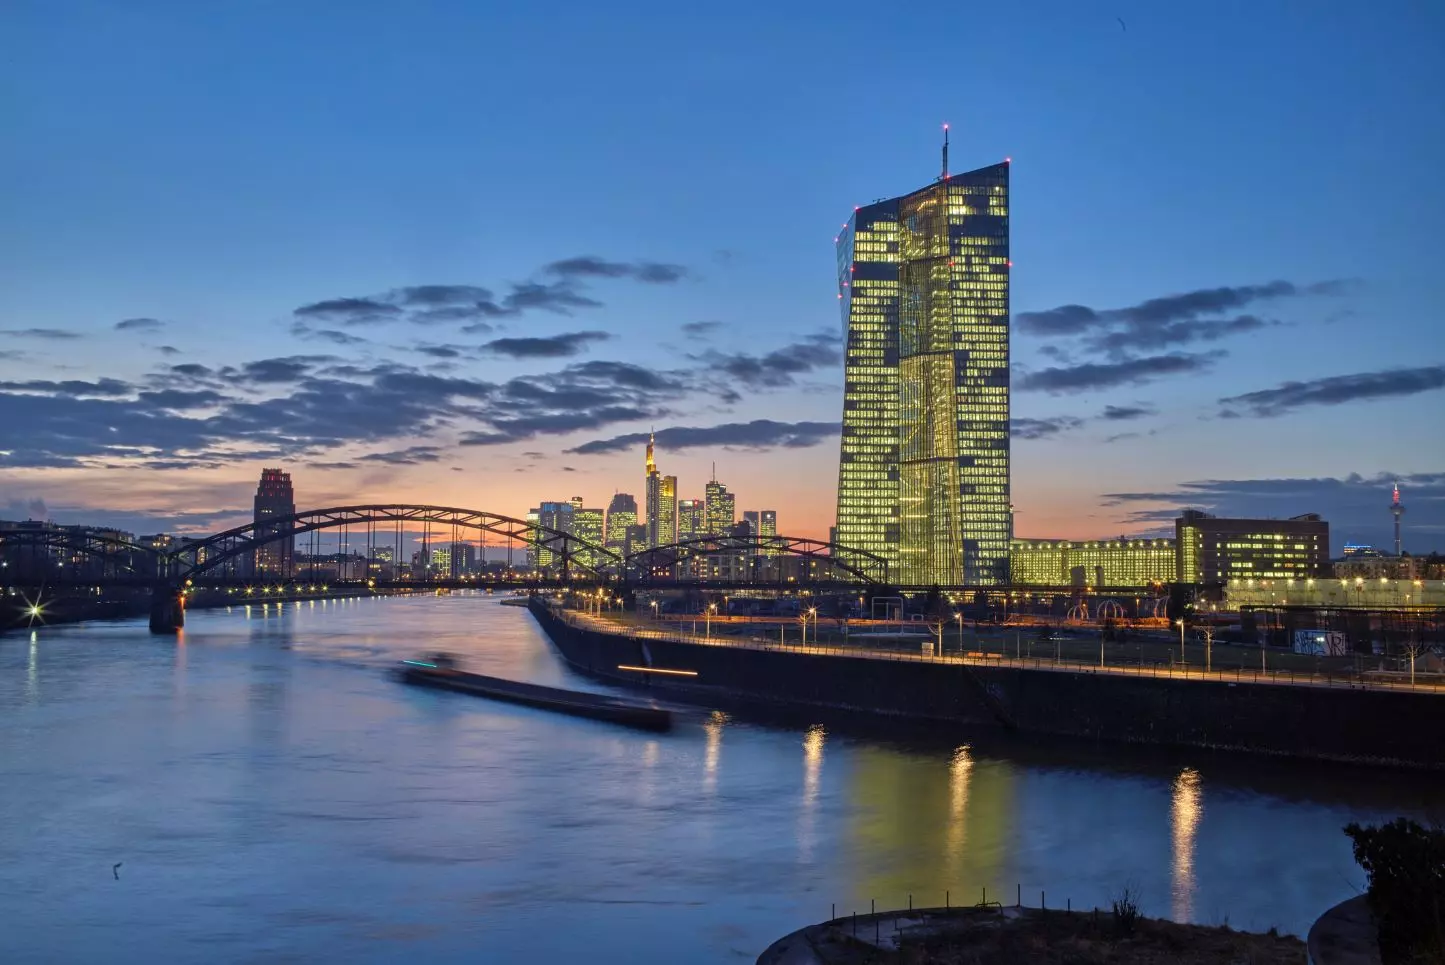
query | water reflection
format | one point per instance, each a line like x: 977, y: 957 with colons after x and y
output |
x: 959, y: 769
x: 32, y: 669
x: 714, y: 729
x: 813, y: 740
x: 1186, y: 811
x: 906, y: 805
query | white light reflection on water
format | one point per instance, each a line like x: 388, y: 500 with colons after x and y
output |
x: 1187, y: 808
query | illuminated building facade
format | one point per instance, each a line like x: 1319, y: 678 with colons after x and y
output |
x: 661, y: 503
x: 274, y: 498
x: 587, y: 525
x: 1211, y: 549
x: 923, y: 479
x: 691, y: 519
x: 621, y: 515
x: 1106, y: 562
x: 556, y: 516
x: 720, y: 507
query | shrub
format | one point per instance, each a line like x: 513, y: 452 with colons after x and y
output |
x: 1405, y: 863
x: 1126, y: 912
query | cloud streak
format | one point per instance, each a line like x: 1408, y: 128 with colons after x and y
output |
x: 758, y: 435
x: 1092, y: 376
x: 1289, y: 397
x: 545, y: 347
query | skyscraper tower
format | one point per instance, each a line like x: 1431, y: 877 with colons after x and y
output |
x: 274, y: 497
x: 923, y: 285
x: 661, y: 503
x: 1397, y: 510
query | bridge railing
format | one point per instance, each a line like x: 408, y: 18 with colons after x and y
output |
x: 1423, y: 682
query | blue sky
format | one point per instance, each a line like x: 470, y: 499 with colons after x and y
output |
x: 214, y: 168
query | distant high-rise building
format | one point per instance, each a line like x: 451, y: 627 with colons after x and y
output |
x: 923, y: 285
x: 636, y: 539
x: 768, y: 526
x: 621, y: 514
x: 750, y: 516
x: 555, y: 516
x: 453, y: 560
x: 653, y: 493
x: 691, y: 519
x: 720, y: 508
x: 587, y: 524
x: 1215, y: 550
x: 666, y: 530
x: 274, y: 498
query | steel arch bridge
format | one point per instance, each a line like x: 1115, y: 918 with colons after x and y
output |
x: 32, y: 553
x: 225, y: 549
x: 753, y: 556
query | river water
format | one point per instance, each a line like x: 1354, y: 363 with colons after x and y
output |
x: 272, y: 796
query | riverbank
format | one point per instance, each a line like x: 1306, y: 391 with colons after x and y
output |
x: 1026, y: 936
x: 1345, y: 723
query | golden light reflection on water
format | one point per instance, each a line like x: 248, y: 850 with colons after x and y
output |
x: 1187, y: 809
x: 813, y: 742
x: 960, y: 768
x: 714, y: 728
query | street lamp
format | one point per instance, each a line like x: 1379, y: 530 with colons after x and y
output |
x: 711, y: 609
x: 958, y: 618
x: 812, y: 612
x: 1180, y: 622
x: 654, y: 609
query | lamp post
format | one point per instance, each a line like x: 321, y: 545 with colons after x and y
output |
x: 958, y: 618
x: 711, y: 608
x: 813, y: 612
x: 654, y: 610
x: 1180, y: 621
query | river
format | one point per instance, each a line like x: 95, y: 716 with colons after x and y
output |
x: 271, y: 795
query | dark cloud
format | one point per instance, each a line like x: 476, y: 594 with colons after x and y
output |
x: 547, y: 347
x: 588, y: 266
x: 168, y: 350
x: 700, y: 330
x: 291, y: 368
x: 1103, y: 375
x: 442, y: 351
x: 54, y: 334
x: 484, y: 439
x: 181, y: 399
x: 1335, y: 390
x: 779, y: 368
x: 758, y: 434
x: 350, y: 311
x: 440, y: 296
x: 411, y: 456
x: 139, y: 325
x: 73, y: 387
x: 332, y: 335
x: 1154, y: 337
x: 1171, y: 320
x: 1118, y: 413
x: 1043, y: 428
x: 1355, y: 505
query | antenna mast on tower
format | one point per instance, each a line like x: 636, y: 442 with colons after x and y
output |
x: 1397, y: 510
x: 944, y: 176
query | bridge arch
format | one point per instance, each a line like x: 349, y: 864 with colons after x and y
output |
x: 662, y: 562
x: 20, y: 553
x: 216, y: 552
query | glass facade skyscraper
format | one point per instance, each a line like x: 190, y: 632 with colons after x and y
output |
x: 923, y: 283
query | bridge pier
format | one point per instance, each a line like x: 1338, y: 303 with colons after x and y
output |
x: 168, y: 610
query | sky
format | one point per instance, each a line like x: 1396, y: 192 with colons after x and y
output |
x: 468, y: 254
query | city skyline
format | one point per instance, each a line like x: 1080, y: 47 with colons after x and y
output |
x: 1194, y: 323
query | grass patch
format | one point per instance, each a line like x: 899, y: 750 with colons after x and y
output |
x: 978, y: 937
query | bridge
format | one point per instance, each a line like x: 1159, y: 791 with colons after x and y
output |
x: 78, y: 556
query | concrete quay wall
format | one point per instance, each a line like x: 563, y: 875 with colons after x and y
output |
x: 1395, y: 728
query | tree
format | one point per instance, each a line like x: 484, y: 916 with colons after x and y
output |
x: 1405, y: 863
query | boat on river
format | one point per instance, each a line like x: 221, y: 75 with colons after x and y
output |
x: 440, y: 672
